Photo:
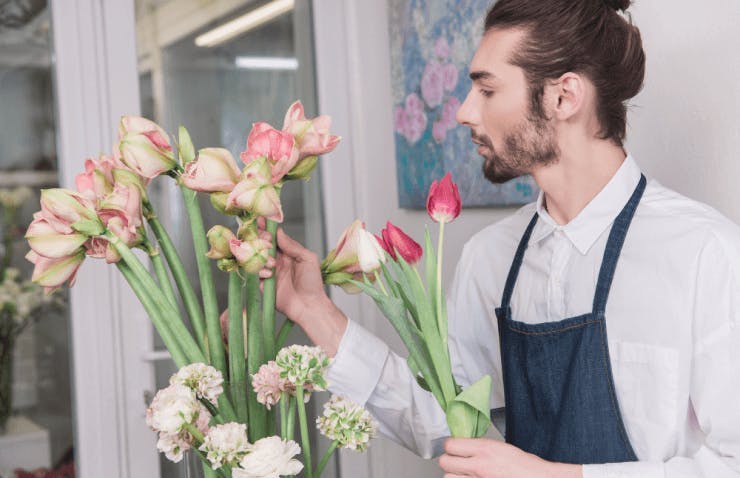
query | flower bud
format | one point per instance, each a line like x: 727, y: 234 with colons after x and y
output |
x: 214, y: 170
x: 443, y: 201
x: 219, y: 238
x: 144, y: 147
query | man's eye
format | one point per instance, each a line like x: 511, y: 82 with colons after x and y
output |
x: 486, y: 93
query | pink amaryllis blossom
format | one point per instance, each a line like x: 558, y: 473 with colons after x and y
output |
x: 251, y: 254
x: 443, y: 201
x: 214, y: 170
x: 312, y: 136
x: 64, y: 207
x: 278, y: 147
x: 52, y: 273
x: 53, y: 242
x: 255, y: 192
x: 144, y: 147
x: 394, y: 241
x: 410, y: 120
x: 357, y: 252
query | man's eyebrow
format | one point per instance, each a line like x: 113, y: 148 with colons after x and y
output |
x: 481, y: 75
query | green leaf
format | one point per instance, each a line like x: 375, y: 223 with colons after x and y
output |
x: 417, y: 373
x: 468, y: 414
x: 430, y: 266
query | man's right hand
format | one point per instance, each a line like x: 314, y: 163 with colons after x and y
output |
x: 300, y: 294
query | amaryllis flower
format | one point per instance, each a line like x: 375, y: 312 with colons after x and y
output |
x: 204, y: 380
x: 226, y: 444
x: 144, y: 147
x: 255, y: 192
x: 52, y: 273
x: 219, y: 238
x: 395, y: 240
x: 357, y: 252
x: 312, y: 138
x: 278, y: 147
x: 97, y: 179
x: 269, y: 457
x: 214, y: 170
x: 49, y: 242
x: 251, y: 254
x: 443, y: 202
x: 347, y: 422
x: 303, y: 366
x: 63, y: 207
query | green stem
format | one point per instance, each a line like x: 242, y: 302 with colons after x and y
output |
x: 325, y: 458
x: 154, y: 312
x: 237, y: 369
x: 190, y: 428
x: 162, y: 276
x: 268, y: 300
x: 284, y: 415
x: 189, y: 299
x: 283, y: 334
x: 441, y: 323
x: 208, y: 288
x: 163, y: 310
x: 304, y: 430
x: 257, y: 412
x: 290, y: 428
x: 379, y: 280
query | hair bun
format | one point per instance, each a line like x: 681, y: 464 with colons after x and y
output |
x: 618, y: 5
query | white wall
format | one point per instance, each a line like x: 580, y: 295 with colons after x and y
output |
x: 685, y: 132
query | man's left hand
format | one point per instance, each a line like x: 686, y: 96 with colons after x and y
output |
x: 484, y: 458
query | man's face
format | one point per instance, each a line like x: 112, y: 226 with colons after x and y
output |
x: 511, y: 137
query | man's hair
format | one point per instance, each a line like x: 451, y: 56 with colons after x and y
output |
x: 588, y: 37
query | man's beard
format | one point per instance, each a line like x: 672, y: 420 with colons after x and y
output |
x: 531, y: 144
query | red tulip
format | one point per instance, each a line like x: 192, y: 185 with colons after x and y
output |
x: 443, y: 202
x: 395, y: 240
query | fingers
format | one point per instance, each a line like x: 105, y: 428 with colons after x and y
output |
x: 462, y: 447
x: 456, y: 465
x: 293, y: 248
x: 265, y: 236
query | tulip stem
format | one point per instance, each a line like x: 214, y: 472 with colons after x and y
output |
x: 283, y: 334
x: 189, y: 299
x: 237, y: 379
x: 304, y: 430
x: 257, y: 415
x: 162, y: 276
x: 164, y: 310
x: 170, y: 341
x: 441, y: 322
x: 268, y: 299
x: 325, y: 459
x: 208, y: 288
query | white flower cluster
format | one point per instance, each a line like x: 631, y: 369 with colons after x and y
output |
x: 204, y: 380
x: 346, y: 422
x: 303, y: 366
x: 226, y: 444
x: 14, y: 198
x: 170, y: 413
x: 20, y: 299
x: 269, y: 457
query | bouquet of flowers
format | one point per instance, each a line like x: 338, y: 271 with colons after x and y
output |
x: 21, y: 301
x: 384, y: 267
x: 232, y: 370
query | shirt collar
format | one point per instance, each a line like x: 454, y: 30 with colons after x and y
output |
x: 592, y: 221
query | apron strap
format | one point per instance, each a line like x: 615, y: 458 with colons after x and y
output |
x: 614, y: 247
x: 516, y: 265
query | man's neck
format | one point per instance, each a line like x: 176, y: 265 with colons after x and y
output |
x: 580, y: 174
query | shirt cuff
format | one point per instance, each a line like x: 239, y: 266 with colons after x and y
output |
x: 634, y: 469
x: 355, y: 371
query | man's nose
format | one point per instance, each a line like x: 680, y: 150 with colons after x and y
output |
x: 466, y: 113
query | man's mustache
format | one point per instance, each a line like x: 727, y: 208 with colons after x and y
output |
x: 481, y: 139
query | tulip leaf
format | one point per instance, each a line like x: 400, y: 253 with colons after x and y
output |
x: 468, y: 414
x: 417, y: 373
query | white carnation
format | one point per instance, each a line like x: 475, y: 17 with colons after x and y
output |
x: 172, y: 408
x: 269, y: 457
x: 204, y: 380
x: 225, y: 444
x: 346, y: 422
x: 303, y: 366
x: 173, y: 446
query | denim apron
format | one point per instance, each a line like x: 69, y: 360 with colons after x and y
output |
x: 560, y: 399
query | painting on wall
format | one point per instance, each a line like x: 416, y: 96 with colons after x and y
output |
x: 432, y: 42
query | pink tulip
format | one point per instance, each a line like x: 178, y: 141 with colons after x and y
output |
x: 52, y: 273
x: 144, y: 147
x: 214, y: 170
x: 252, y: 254
x: 312, y: 136
x: 255, y: 192
x: 50, y: 243
x: 397, y: 241
x: 278, y: 147
x: 443, y: 201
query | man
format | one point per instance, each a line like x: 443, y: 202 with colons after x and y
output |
x: 607, y: 313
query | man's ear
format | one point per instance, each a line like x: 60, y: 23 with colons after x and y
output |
x: 566, y: 96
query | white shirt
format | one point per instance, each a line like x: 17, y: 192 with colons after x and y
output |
x: 673, y: 325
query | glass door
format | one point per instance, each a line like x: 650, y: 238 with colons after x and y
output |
x: 36, y: 413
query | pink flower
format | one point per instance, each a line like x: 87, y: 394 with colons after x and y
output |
x: 97, y: 180
x: 276, y: 146
x: 51, y: 243
x: 358, y: 252
x: 442, y: 48
x: 410, y: 119
x: 439, y: 131
x: 120, y: 212
x: 255, y: 192
x: 214, y: 170
x: 449, y: 111
x: 395, y: 240
x: 312, y: 136
x: 63, y: 207
x: 268, y: 385
x: 144, y: 147
x: 51, y: 273
x: 251, y: 254
x: 449, y: 76
x: 432, y: 83
x: 219, y: 238
x: 443, y: 201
